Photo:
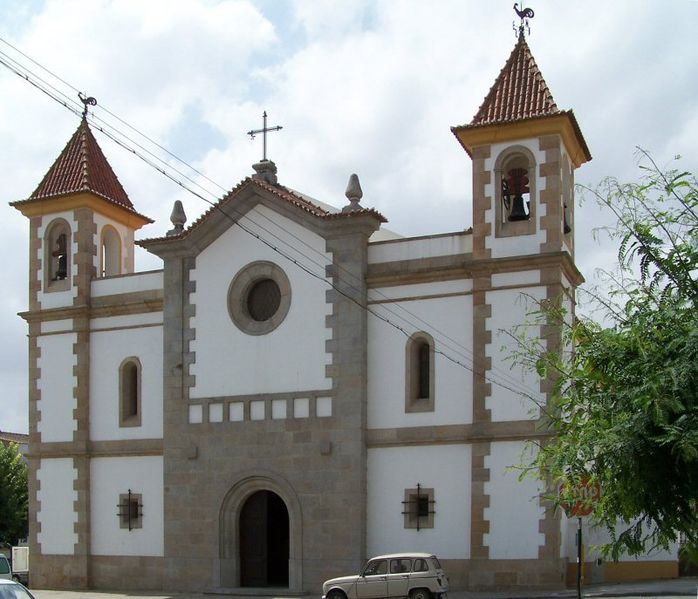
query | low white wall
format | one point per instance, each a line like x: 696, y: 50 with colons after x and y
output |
x: 420, y: 247
x: 131, y: 283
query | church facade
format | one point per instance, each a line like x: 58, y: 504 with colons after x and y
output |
x: 296, y: 389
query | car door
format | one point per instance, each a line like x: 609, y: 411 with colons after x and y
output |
x: 373, y: 582
x: 399, y: 577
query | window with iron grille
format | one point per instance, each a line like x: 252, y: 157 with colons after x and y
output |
x: 418, y: 508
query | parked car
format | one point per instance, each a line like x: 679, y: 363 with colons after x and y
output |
x: 413, y: 575
x: 9, y: 589
x: 5, y: 570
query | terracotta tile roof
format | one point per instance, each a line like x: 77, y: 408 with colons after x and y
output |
x: 281, y: 192
x: 519, y: 92
x: 82, y: 166
x: 21, y: 438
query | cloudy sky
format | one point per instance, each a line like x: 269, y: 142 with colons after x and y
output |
x: 364, y: 86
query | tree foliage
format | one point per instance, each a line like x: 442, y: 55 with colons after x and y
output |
x: 13, y: 494
x: 624, y: 411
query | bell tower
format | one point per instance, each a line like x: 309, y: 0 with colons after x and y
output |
x: 524, y: 151
x: 81, y: 225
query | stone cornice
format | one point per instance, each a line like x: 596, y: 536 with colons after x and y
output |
x: 443, y: 268
x: 517, y: 430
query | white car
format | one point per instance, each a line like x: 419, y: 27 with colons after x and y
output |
x: 413, y: 575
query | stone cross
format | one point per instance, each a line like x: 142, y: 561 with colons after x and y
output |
x: 263, y: 131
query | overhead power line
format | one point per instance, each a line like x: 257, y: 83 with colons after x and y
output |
x: 463, y: 355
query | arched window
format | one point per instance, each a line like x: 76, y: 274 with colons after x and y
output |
x: 58, y: 242
x: 515, y: 192
x: 110, y: 252
x: 130, y: 392
x: 419, y: 373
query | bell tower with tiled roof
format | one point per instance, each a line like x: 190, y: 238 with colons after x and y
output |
x: 83, y: 224
x: 524, y: 151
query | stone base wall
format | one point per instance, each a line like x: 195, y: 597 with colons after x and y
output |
x: 502, y: 575
x: 622, y: 571
x: 126, y: 573
x: 57, y: 572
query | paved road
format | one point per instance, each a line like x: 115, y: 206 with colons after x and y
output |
x: 667, y: 589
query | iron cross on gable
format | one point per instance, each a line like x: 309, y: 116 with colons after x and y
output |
x: 263, y: 131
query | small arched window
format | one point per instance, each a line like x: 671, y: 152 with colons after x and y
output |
x: 110, y: 252
x: 419, y: 373
x: 130, y: 392
x: 57, y: 254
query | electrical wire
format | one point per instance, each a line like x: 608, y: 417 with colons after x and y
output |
x: 113, y: 133
x: 453, y: 345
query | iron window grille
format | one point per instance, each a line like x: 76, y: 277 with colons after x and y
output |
x: 418, y: 508
x: 130, y: 510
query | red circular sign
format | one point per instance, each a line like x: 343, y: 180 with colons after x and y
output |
x: 586, y: 496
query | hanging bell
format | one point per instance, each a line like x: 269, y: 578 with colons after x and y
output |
x: 518, y: 212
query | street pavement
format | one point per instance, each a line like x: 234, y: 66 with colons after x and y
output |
x: 667, y: 589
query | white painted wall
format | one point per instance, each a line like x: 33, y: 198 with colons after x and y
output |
x: 515, y: 510
x: 130, y: 283
x: 420, y: 247
x: 108, y: 349
x: 519, y: 244
x: 127, y: 321
x: 55, y: 299
x: 444, y: 468
x: 230, y: 362
x: 514, y: 391
x: 593, y: 536
x: 56, y: 361
x: 56, y: 515
x: 111, y: 477
x: 446, y: 317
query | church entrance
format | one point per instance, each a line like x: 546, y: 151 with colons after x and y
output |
x: 264, y: 541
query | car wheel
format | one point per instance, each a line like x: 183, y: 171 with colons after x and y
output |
x: 336, y: 594
x: 420, y: 594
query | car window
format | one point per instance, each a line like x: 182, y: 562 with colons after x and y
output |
x: 420, y: 565
x: 400, y: 566
x: 375, y: 567
x: 4, y: 565
x: 435, y: 562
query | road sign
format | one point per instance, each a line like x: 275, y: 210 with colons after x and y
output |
x: 586, y: 496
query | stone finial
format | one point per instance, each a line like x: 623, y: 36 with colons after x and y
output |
x: 265, y: 170
x: 354, y: 194
x: 178, y: 219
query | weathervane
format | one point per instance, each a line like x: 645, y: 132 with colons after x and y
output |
x: 87, y: 101
x: 524, y: 14
x: 263, y: 131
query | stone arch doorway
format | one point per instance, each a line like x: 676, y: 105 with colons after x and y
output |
x: 261, y: 534
x: 264, y: 541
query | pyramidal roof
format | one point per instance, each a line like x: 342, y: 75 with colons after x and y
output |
x: 519, y: 92
x: 82, y: 167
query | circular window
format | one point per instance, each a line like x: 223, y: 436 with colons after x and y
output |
x: 259, y: 298
x: 263, y: 300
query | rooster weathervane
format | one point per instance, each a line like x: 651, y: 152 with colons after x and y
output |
x: 524, y: 14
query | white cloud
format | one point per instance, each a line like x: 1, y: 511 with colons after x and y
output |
x: 361, y: 86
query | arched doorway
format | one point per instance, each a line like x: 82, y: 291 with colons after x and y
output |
x: 264, y: 541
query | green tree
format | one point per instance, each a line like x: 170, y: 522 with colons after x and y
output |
x: 624, y: 411
x: 13, y: 494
